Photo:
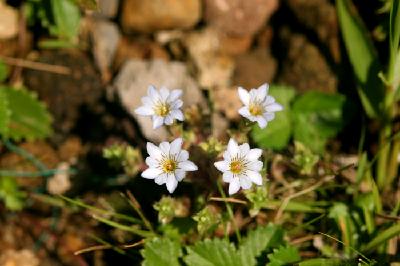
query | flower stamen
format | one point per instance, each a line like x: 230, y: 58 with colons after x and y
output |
x: 169, y: 166
x: 162, y: 109
x: 256, y: 109
x: 236, y: 167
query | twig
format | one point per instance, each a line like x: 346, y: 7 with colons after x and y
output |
x: 103, y: 247
x: 63, y: 70
x: 388, y: 217
x: 136, y: 206
x: 286, y: 201
x: 232, y: 200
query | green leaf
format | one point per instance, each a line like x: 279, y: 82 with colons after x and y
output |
x: 4, y: 113
x: 257, y: 241
x: 29, y: 119
x: 10, y: 193
x: 216, y: 252
x: 382, y: 237
x: 284, y: 255
x: 66, y: 16
x: 322, y: 262
x: 317, y: 116
x: 362, y: 56
x: 161, y: 252
x: 277, y: 134
x: 394, y: 26
x: 3, y: 71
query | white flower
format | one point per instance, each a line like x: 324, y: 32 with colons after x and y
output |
x: 258, y: 105
x: 164, y: 106
x: 168, y: 163
x: 240, y: 166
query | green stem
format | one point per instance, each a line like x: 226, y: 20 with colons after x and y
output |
x: 393, y: 163
x: 230, y: 212
x: 384, y: 155
x: 26, y: 155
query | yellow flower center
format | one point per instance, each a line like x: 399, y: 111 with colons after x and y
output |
x: 236, y: 167
x: 255, y: 109
x: 169, y: 166
x: 162, y: 109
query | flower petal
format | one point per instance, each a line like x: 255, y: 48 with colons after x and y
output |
x: 245, y: 182
x: 244, y: 149
x: 255, y: 177
x: 176, y: 146
x: 227, y: 177
x: 254, y: 154
x: 274, y: 107
x: 176, y: 104
x: 268, y: 100
x: 187, y: 166
x: 151, y: 173
x: 151, y: 162
x: 152, y: 92
x: 255, y: 166
x: 244, y: 111
x: 174, y: 95
x: 153, y: 151
x: 146, y: 100
x: 262, y: 123
x: 234, y: 186
x: 161, y: 179
x: 244, y: 96
x: 172, y: 183
x: 177, y: 114
x: 180, y: 174
x: 223, y: 166
x: 165, y: 147
x: 157, y: 121
x: 183, y: 156
x: 233, y: 147
x: 269, y: 116
x: 164, y: 93
x: 169, y: 120
x: 144, y: 110
x: 262, y: 91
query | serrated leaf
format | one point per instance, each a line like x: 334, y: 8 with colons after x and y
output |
x: 216, y: 252
x: 257, y: 241
x: 4, y: 113
x: 3, y: 71
x: 284, y: 255
x: 362, y: 56
x: 277, y: 133
x: 29, y: 119
x: 66, y: 17
x: 317, y: 116
x: 161, y: 252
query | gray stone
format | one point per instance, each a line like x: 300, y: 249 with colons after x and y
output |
x: 136, y: 75
x: 107, y: 8
x: 105, y: 36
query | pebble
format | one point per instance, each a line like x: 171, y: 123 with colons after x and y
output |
x: 150, y: 15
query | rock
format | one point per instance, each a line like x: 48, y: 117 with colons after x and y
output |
x: 214, y: 67
x: 129, y: 48
x: 320, y: 17
x: 254, y: 68
x: 134, y: 78
x: 24, y: 257
x: 152, y: 15
x: 105, y: 36
x: 60, y: 182
x: 220, y: 126
x: 226, y: 100
x: 234, y: 45
x: 107, y: 8
x: 239, y: 17
x: 305, y: 68
x: 8, y: 21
